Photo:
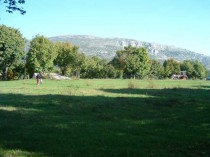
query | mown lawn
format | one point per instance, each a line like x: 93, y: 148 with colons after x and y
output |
x: 105, y: 118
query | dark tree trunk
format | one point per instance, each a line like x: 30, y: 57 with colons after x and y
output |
x: 63, y: 72
x: 5, y: 70
x: 78, y: 74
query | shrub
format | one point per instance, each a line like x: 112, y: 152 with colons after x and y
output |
x: 10, y: 74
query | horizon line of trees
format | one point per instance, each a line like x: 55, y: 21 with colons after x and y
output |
x: 64, y: 58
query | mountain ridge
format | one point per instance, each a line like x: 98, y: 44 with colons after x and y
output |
x: 107, y: 47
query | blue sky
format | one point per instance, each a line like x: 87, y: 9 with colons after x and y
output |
x: 182, y: 23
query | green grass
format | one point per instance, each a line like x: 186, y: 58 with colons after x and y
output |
x: 105, y: 118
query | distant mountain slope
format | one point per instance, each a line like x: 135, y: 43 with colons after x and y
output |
x: 107, y: 47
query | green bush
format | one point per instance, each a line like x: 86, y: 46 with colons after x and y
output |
x: 10, y: 74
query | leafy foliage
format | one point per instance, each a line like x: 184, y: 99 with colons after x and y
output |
x: 12, y: 5
x: 79, y: 64
x: 171, y: 67
x: 195, y: 70
x: 188, y: 67
x: 10, y: 74
x: 44, y: 56
x: 199, y: 70
x: 66, y: 56
x: 94, y: 67
x: 12, y: 46
x: 132, y: 61
x: 156, y: 70
x: 41, y: 55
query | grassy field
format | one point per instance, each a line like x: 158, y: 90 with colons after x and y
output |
x: 105, y: 118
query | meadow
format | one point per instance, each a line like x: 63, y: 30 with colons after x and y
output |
x: 105, y: 118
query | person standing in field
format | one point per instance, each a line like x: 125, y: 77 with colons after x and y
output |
x: 38, y: 79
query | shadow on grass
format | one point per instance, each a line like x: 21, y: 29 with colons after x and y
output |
x: 207, y: 87
x: 173, y: 122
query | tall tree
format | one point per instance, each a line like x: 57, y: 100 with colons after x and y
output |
x: 79, y: 64
x: 156, y: 69
x: 109, y: 71
x: 194, y: 69
x: 93, y: 67
x: 41, y: 55
x: 67, y: 54
x: 134, y: 62
x: 12, y: 46
x: 199, y: 70
x: 119, y: 61
x: 13, y: 5
x: 171, y: 67
x: 188, y: 67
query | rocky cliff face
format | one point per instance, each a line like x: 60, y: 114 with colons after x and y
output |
x: 107, y: 47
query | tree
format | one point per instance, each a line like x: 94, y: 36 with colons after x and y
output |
x: 188, y: 67
x: 110, y: 71
x: 79, y: 64
x: 119, y: 61
x: 208, y: 73
x: 134, y: 62
x: 41, y: 55
x: 199, y: 70
x: 67, y: 54
x: 156, y: 69
x: 194, y: 69
x: 12, y: 5
x: 93, y: 68
x: 12, y: 46
x: 171, y: 67
x: 19, y: 71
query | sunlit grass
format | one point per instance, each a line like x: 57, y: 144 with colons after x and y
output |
x: 14, y: 153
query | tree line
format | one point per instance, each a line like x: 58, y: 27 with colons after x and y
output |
x: 65, y: 58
